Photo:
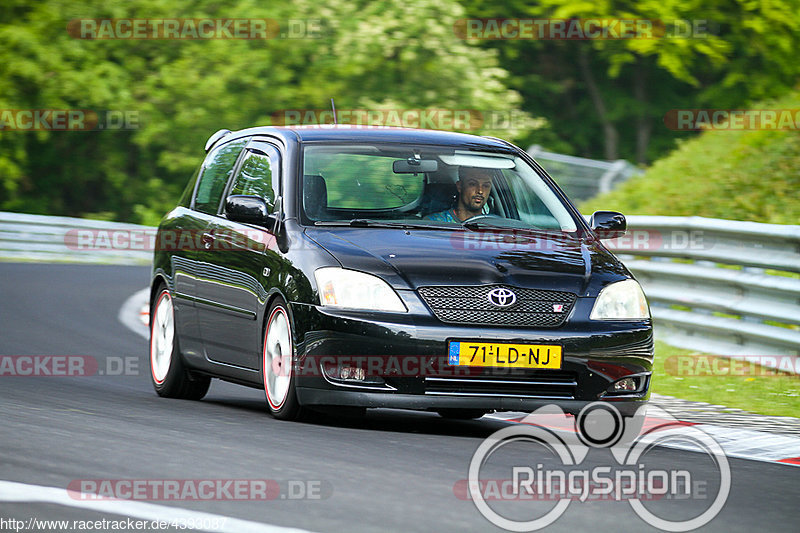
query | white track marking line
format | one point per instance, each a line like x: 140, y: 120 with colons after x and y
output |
x: 129, y: 313
x: 20, y: 492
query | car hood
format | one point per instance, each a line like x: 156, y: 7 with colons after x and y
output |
x: 409, y: 259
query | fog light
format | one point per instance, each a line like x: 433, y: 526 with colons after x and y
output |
x: 352, y: 373
x: 344, y: 373
x: 624, y: 385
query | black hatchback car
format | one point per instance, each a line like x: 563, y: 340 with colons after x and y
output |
x: 383, y: 267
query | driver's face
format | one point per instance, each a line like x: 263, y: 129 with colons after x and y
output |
x: 473, y: 190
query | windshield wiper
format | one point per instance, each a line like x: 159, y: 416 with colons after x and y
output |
x: 480, y: 225
x: 371, y: 223
x: 475, y: 226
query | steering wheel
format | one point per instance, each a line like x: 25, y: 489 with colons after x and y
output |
x: 480, y: 217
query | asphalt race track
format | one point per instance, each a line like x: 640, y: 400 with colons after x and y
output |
x: 389, y: 471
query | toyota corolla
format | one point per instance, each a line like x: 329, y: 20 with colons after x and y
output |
x: 382, y: 267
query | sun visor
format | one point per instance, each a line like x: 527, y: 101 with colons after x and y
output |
x: 480, y: 161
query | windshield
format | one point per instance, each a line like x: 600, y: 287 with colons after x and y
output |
x: 427, y: 186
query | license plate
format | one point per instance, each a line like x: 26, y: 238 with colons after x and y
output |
x: 504, y: 355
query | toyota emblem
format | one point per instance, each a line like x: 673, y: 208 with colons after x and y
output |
x: 502, y: 297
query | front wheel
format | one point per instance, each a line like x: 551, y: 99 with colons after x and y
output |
x: 167, y: 372
x: 278, y: 364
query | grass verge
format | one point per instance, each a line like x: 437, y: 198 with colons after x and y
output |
x: 704, y: 378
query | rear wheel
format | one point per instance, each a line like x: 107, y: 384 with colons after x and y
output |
x: 167, y: 372
x: 278, y: 364
x: 461, y: 414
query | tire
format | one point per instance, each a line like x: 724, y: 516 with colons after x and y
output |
x: 167, y: 371
x: 461, y: 414
x: 277, y: 364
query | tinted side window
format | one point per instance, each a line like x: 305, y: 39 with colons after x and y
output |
x: 530, y: 208
x: 186, y: 196
x: 258, y: 176
x: 214, y: 175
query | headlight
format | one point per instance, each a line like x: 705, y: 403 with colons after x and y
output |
x: 623, y: 300
x: 339, y: 287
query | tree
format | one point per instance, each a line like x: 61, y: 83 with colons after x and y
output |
x: 387, y: 54
x: 603, y: 89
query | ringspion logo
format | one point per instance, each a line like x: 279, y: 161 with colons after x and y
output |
x: 547, y: 465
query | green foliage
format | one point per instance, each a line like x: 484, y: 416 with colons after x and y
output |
x: 746, y: 53
x: 384, y: 54
x: 739, y: 175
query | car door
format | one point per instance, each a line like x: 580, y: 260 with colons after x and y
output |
x: 181, y: 238
x: 191, y: 239
x: 245, y: 258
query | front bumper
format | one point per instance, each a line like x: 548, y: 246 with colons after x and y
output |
x: 412, y: 372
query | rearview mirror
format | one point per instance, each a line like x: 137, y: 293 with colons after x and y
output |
x: 413, y: 165
x: 608, y: 224
x: 248, y: 210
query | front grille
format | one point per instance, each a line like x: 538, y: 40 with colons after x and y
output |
x: 550, y: 384
x: 471, y: 305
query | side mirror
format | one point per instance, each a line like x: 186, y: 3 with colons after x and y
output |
x: 608, y: 224
x: 248, y: 210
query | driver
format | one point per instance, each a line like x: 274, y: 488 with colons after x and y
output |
x: 474, y: 185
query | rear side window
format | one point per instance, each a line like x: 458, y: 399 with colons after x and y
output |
x: 259, y: 175
x: 214, y: 175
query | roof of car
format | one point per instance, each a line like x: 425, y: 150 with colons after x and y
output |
x: 351, y: 133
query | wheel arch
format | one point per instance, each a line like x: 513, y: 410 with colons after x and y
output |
x: 273, y: 295
x: 158, y: 280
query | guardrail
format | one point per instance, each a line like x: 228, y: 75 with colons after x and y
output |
x: 26, y: 237
x: 583, y: 178
x: 715, y: 286
x: 718, y: 286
